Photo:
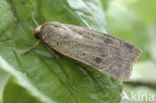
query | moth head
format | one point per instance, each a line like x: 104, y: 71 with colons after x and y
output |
x: 37, y: 32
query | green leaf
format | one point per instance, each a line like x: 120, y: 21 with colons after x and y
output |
x: 13, y: 88
x: 14, y: 83
x: 37, y: 75
x: 3, y: 80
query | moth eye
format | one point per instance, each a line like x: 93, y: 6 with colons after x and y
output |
x: 36, y: 34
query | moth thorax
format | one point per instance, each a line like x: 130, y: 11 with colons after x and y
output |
x: 37, y: 31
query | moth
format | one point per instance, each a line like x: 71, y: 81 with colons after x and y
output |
x: 98, y: 50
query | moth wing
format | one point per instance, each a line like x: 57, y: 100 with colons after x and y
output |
x: 106, y: 53
x: 103, y: 52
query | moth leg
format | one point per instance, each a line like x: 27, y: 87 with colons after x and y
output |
x: 36, y: 44
x: 58, y: 60
x: 92, y: 76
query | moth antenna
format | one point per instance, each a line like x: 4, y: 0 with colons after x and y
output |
x: 13, y: 11
x: 33, y: 18
x: 57, y: 59
x: 92, y: 76
x: 36, y: 44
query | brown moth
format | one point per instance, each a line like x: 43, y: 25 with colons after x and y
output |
x: 103, y: 52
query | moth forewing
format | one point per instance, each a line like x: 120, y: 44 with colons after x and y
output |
x: 103, y: 52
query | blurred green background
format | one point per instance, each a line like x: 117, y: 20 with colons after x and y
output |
x: 135, y: 22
